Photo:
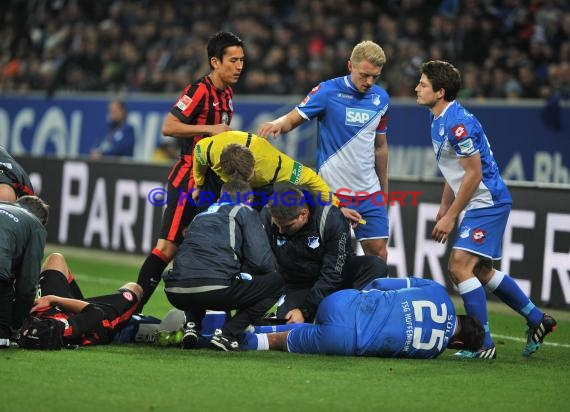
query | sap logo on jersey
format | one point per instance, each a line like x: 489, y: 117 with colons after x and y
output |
x: 357, y: 117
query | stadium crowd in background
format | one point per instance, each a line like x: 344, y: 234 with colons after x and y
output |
x: 508, y: 48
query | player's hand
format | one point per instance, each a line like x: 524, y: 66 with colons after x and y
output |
x: 352, y: 215
x: 42, y: 303
x: 269, y: 129
x: 218, y: 128
x: 196, y: 194
x: 443, y: 228
x: 441, y: 212
x: 294, y: 316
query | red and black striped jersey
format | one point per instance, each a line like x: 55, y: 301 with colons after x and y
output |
x: 202, y: 103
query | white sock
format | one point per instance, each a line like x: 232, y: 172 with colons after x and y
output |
x: 262, y: 341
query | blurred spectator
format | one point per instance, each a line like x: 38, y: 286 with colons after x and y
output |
x: 120, y: 137
x: 155, y: 45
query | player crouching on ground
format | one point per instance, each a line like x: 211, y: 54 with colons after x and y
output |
x: 390, y: 318
x: 61, y: 317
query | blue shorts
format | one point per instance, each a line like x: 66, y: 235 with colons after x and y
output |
x: 481, y: 231
x: 373, y: 210
x: 334, y: 331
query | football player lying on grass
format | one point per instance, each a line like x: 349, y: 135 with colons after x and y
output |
x: 396, y: 318
x: 62, y: 317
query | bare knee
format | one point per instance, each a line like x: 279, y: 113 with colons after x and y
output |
x: 56, y: 261
x: 7, y: 193
x: 135, y: 288
x: 458, y: 272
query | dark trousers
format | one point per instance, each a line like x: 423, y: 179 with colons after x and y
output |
x: 358, y: 271
x: 251, y: 299
x: 6, y: 303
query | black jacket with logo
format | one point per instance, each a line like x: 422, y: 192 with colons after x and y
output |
x: 22, y: 242
x: 315, y: 256
x: 220, y: 243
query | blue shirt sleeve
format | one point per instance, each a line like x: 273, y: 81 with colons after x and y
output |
x: 463, y: 137
x: 123, y: 142
x: 315, y: 103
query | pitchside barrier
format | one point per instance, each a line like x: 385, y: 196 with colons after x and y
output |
x: 530, y: 139
x: 117, y: 206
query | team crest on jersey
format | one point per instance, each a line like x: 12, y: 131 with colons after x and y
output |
x: 313, y: 242
x: 479, y: 235
x: 231, y: 105
x: 128, y: 296
x: 357, y: 117
x: 184, y: 102
x: 441, y: 130
x: 464, y: 232
x: 376, y: 100
x: 459, y: 131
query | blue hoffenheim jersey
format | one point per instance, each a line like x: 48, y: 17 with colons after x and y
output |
x: 414, y: 322
x: 456, y: 133
x: 348, y: 122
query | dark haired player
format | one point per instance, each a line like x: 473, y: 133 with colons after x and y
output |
x: 80, y: 321
x: 473, y: 184
x: 204, y: 109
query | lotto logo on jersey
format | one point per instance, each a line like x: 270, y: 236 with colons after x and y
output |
x: 357, y: 117
x: 459, y: 131
x: 479, y: 236
x: 315, y: 89
x: 184, y: 102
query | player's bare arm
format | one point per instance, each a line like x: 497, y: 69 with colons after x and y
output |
x: 447, y: 197
x: 69, y: 305
x: 283, y: 124
x: 473, y: 174
x: 381, y: 160
x: 172, y: 126
x: 352, y: 215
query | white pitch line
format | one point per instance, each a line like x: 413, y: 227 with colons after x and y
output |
x: 514, y: 338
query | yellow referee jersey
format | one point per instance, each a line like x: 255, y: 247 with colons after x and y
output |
x: 271, y: 165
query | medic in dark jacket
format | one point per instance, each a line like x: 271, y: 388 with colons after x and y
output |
x: 312, y: 246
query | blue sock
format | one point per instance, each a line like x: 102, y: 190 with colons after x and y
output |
x: 254, y: 341
x: 475, y: 303
x: 506, y: 289
x: 249, y: 342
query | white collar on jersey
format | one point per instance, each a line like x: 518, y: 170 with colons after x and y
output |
x: 444, y: 110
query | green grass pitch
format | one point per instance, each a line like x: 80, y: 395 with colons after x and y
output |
x: 148, y: 378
